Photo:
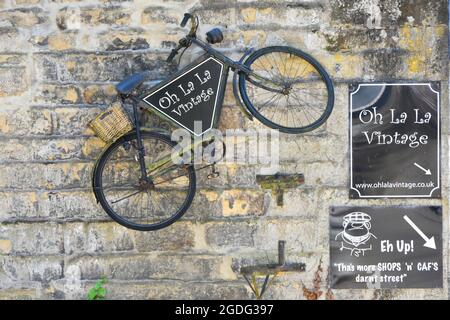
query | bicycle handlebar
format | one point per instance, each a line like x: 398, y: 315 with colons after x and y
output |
x: 184, y: 42
x: 186, y: 17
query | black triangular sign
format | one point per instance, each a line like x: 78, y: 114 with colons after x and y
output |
x: 190, y: 97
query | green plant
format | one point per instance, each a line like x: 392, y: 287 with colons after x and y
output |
x: 98, y: 292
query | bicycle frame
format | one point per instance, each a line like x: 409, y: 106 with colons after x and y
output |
x: 195, y: 93
x: 227, y: 64
x: 235, y: 66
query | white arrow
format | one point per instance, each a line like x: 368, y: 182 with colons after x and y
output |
x: 429, y: 242
x: 427, y: 171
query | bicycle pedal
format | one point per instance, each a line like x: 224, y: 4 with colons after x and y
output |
x: 126, y: 146
x: 213, y: 175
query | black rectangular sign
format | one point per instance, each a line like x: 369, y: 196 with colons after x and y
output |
x: 386, y: 247
x: 191, y: 99
x: 395, y: 140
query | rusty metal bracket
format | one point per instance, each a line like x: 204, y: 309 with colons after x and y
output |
x: 279, y: 182
x: 268, y: 272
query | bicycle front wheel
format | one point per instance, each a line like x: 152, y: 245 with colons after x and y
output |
x: 148, y: 203
x: 287, y: 89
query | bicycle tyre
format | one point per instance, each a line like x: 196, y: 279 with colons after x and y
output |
x: 243, y: 78
x: 100, y: 196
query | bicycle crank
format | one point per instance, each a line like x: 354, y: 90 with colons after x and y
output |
x: 214, y: 173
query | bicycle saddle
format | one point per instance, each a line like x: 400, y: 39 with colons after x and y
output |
x: 132, y: 82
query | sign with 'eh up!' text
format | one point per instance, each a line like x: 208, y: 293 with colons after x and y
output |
x: 191, y: 97
x: 386, y: 247
x: 395, y: 140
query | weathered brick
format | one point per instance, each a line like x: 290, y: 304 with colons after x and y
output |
x: 25, y: 121
x: 108, y: 237
x: 179, y: 236
x: 297, y: 202
x: 217, y: 16
x: 289, y: 15
x: 320, y: 173
x: 340, y: 115
x: 50, y: 149
x: 31, y: 239
x: 230, y: 118
x: 158, y: 15
x: 423, y: 12
x: 24, y: 17
x: 342, y: 67
x: 62, y: 41
x: 101, y: 67
x: 13, y: 81
x: 389, y: 13
x: 220, y: 181
x: 229, y: 235
x: 71, y: 205
x: 205, y: 205
x: 27, y: 2
x: 179, y: 290
x: 11, y: 38
x: 5, y: 246
x: 312, y: 148
x: 159, y: 289
x: 98, y: 237
x: 384, y: 63
x: 40, y: 269
x: 300, y: 235
x: 19, y: 294
x: 137, y: 39
x: 140, y: 267
x: 75, y: 239
x: 423, y: 45
x: 97, y: 94
x: 76, y: 18
x: 58, y: 94
x: 229, y: 98
x: 45, y: 176
x: 241, y: 175
x: 12, y: 60
x: 19, y: 205
x: 242, y: 203
x: 74, y: 121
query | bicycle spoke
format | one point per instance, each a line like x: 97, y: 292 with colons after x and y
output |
x: 127, y: 196
x: 306, y: 110
x: 145, y: 205
x: 303, y: 85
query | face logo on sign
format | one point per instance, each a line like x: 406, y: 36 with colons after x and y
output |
x: 405, y: 252
x: 356, y: 233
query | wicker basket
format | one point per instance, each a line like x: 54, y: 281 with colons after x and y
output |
x: 112, y: 123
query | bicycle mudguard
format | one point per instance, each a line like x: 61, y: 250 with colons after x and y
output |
x: 241, y: 104
x: 143, y: 129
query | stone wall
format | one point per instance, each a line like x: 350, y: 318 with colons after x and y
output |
x: 59, y: 61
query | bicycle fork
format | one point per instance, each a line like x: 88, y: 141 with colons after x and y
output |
x: 140, y: 146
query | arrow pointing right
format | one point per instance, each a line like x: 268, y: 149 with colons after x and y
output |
x: 429, y: 242
x: 427, y: 171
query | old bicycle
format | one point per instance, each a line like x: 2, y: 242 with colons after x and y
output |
x: 135, y: 180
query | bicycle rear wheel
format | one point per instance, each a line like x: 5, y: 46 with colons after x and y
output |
x: 148, y: 204
x: 287, y: 90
